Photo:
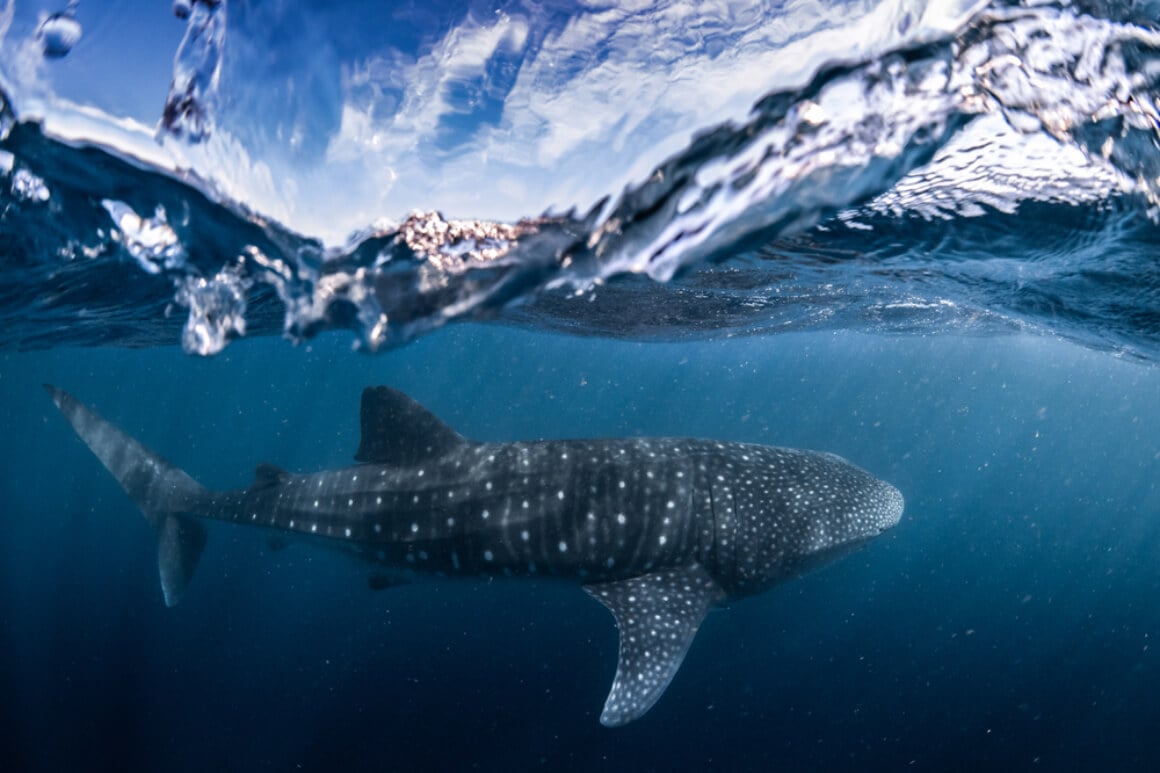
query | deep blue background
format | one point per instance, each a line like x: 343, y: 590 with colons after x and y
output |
x: 1008, y: 622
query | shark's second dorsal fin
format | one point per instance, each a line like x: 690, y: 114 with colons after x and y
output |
x: 397, y: 430
x: 268, y: 475
x: 658, y: 615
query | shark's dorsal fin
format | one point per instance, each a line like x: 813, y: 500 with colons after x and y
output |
x: 658, y: 615
x: 397, y: 430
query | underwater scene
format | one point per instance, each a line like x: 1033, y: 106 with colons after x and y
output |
x: 511, y: 385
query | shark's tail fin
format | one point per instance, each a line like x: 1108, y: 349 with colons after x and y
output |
x: 164, y: 493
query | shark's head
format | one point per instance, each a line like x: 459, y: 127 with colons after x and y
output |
x: 850, y: 503
x: 799, y: 510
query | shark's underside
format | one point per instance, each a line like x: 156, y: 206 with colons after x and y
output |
x: 656, y: 529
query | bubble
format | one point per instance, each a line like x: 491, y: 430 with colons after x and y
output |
x: 58, y: 33
x: 151, y: 241
x: 182, y: 8
x: 217, y: 310
x: 28, y: 187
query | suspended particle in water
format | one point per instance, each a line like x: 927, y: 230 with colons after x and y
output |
x: 58, y: 33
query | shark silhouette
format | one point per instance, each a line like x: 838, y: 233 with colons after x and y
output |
x: 658, y: 530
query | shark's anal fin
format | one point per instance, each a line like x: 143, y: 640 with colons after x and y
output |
x: 397, y: 430
x: 385, y: 580
x: 658, y: 615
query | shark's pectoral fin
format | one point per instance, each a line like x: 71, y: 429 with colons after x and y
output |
x: 658, y: 615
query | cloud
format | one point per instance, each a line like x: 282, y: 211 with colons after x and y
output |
x: 515, y: 115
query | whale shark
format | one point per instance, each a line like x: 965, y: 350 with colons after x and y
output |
x: 658, y: 530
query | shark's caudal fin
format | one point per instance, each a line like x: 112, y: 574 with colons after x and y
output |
x: 164, y: 493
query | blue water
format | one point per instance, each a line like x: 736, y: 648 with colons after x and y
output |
x: 920, y: 235
x: 1007, y: 622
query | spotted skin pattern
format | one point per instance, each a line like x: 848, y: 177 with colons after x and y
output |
x: 656, y: 529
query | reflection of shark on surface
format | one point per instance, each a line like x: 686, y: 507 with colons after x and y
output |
x: 656, y: 529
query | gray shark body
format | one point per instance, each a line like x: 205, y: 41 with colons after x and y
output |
x: 657, y: 529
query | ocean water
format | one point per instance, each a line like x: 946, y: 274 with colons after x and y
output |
x: 1008, y: 622
x: 918, y: 235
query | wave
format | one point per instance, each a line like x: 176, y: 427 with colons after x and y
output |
x: 1000, y: 176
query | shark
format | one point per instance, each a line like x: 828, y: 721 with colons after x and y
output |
x: 658, y: 530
